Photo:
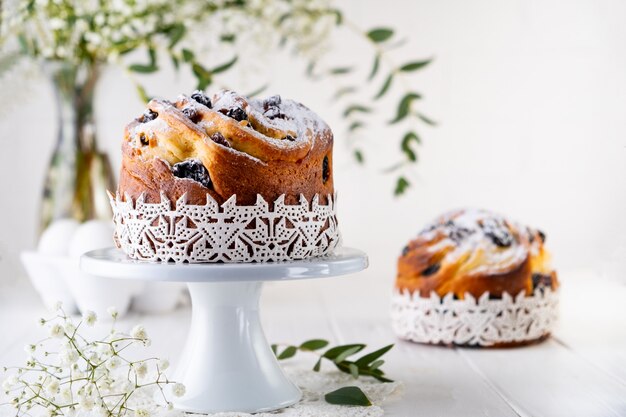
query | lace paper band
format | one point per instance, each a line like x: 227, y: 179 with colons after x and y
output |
x: 482, y: 322
x: 227, y: 233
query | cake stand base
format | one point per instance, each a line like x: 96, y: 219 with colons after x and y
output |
x: 227, y: 364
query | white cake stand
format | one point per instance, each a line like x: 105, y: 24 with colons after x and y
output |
x: 227, y: 364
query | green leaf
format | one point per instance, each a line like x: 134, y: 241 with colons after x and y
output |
x: 175, y: 62
x: 426, y: 120
x: 358, y: 155
x: 375, y: 67
x: 401, y: 186
x: 274, y: 349
x: 144, y: 69
x: 203, y: 76
x: 333, y: 352
x: 343, y: 91
x: 406, y: 146
x: 152, y: 56
x: 257, y: 91
x: 380, y: 34
x: 318, y: 365
x: 142, y: 93
x: 348, y: 396
x: 405, y: 106
x: 175, y: 34
x: 356, y: 108
x: 365, y: 360
x: 346, y: 354
x: 228, y: 37
x: 414, y: 66
x: 224, y: 66
x: 376, y: 364
x: 188, y: 56
x: 385, y: 87
x: 289, y: 352
x: 355, y: 125
x: 340, y: 70
x: 338, y: 16
x: 314, y: 344
x: 354, y: 370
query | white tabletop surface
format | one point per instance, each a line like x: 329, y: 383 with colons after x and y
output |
x: 580, y: 371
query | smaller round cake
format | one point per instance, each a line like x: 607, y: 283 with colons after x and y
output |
x: 474, y: 278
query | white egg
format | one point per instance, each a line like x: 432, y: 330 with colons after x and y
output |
x: 94, y: 234
x: 55, y: 240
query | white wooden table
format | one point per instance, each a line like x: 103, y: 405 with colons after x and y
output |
x: 581, y: 371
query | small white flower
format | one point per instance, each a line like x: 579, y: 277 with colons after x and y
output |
x: 164, y: 364
x: 69, y: 356
x: 139, y: 332
x: 56, y: 24
x: 142, y: 412
x: 71, y: 411
x: 51, y: 411
x: 179, y: 389
x: 70, y: 328
x: 113, y: 312
x: 30, y: 349
x: 9, y: 383
x: 66, y: 395
x: 30, y: 362
x: 58, y: 305
x: 52, y: 387
x: 90, y: 318
x: 141, y: 370
x: 56, y: 331
x: 170, y: 406
x: 86, y: 403
x: 114, y: 363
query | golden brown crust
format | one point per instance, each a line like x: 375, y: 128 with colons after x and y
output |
x: 475, y: 252
x: 258, y: 155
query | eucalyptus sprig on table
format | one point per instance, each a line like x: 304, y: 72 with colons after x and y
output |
x: 366, y: 365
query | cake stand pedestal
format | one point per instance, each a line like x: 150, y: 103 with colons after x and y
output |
x: 227, y: 364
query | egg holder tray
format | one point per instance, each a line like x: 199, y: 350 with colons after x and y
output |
x: 179, y: 232
x: 474, y: 322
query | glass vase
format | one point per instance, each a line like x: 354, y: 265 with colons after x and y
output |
x: 78, y: 175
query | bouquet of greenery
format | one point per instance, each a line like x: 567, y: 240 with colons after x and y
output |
x: 90, y: 33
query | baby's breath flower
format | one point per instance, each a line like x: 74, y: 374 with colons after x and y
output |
x: 90, y: 318
x: 86, y: 403
x: 139, y: 332
x: 114, y: 363
x: 66, y: 395
x: 142, y: 412
x: 113, y: 312
x: 69, y: 328
x: 30, y: 349
x: 178, y: 389
x: 9, y: 383
x: 164, y: 364
x: 52, y: 387
x: 141, y: 370
x: 56, y: 331
x: 58, y: 305
x: 69, y: 356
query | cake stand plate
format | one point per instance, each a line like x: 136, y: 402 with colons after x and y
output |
x: 227, y: 364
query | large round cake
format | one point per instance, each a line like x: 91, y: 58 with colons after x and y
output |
x: 226, y: 179
x: 227, y: 145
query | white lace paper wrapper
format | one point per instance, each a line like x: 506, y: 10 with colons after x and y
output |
x: 180, y: 232
x: 471, y: 321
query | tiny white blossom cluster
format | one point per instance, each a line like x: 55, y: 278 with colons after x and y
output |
x: 101, y: 31
x: 68, y: 375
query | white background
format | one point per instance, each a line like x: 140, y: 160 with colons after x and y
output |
x: 530, y: 96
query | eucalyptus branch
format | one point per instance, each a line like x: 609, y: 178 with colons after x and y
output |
x: 367, y: 365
